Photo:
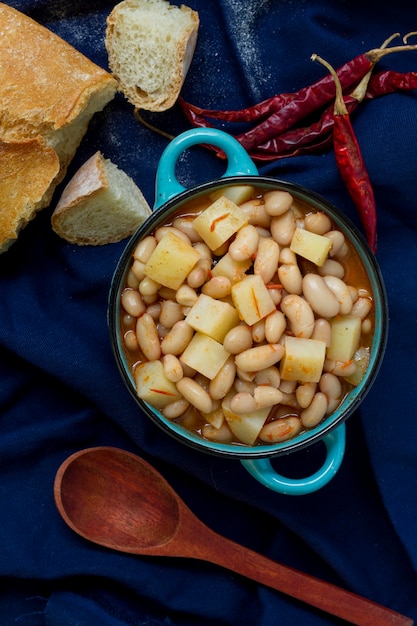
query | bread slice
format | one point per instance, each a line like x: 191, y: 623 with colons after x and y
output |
x: 101, y: 204
x: 150, y: 45
x: 27, y: 171
x: 48, y: 93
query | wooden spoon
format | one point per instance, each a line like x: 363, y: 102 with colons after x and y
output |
x: 116, y: 499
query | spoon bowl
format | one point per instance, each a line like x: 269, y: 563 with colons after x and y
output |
x: 119, y: 501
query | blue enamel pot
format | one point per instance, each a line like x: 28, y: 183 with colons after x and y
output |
x: 170, y: 196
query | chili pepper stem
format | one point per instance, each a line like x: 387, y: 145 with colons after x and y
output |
x: 151, y: 127
x: 339, y: 103
x: 405, y: 38
x: 378, y: 53
x: 359, y: 92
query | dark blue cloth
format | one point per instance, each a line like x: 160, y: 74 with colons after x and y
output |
x: 60, y: 390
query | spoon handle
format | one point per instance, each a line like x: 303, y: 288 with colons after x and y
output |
x: 315, y: 592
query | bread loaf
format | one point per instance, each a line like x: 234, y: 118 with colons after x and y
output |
x: 101, y: 204
x: 48, y: 93
x: 150, y: 44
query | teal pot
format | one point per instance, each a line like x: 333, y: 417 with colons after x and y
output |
x: 170, y: 196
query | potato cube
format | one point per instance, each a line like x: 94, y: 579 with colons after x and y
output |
x: 246, y: 427
x: 303, y: 359
x: 233, y: 270
x: 171, y: 261
x: 346, y: 333
x: 236, y: 193
x: 215, y: 418
x: 212, y: 317
x: 205, y: 355
x: 311, y: 246
x: 252, y: 299
x: 153, y: 386
x: 219, y: 222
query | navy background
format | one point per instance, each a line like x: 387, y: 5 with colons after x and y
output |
x: 60, y: 390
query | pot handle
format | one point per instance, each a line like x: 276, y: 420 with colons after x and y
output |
x: 239, y: 162
x: 262, y: 469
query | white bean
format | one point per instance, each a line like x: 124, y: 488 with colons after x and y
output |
x: 164, y: 230
x: 317, y: 222
x: 288, y: 386
x: 172, y: 368
x: 338, y: 239
x: 276, y: 294
x: 283, y: 228
x: 362, y: 307
x: 245, y: 243
x: 314, y: 413
x: 305, y: 393
x: 130, y: 341
x: 154, y: 310
x: 195, y: 394
x: 129, y: 321
x: 258, y: 331
x: 148, y: 338
x: 171, y: 312
x: 300, y: 315
x: 319, y: 295
x: 148, y: 286
x: 267, y: 396
x: 199, y: 273
x: 176, y: 409
x: 275, y: 325
x: 280, y: 430
x: 221, y: 435
x: 186, y: 295
x: 131, y: 280
x: 217, y: 287
x: 331, y: 268
x: 144, y: 249
x: 255, y: 212
x: 266, y: 261
x: 366, y: 327
x: 132, y: 302
x: 322, y: 331
x: 186, y: 225
x: 268, y: 376
x: 289, y: 273
x: 341, y: 292
x: 277, y: 202
x: 331, y: 386
x: 138, y: 269
x: 243, y: 403
x: 177, y: 339
x: 259, y: 358
x: 245, y: 376
x: 244, y: 385
x: 221, y: 384
x: 238, y: 339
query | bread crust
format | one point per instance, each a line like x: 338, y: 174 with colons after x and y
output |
x: 41, y: 126
x: 86, y: 204
x: 33, y: 61
x: 176, y: 63
x: 28, y: 170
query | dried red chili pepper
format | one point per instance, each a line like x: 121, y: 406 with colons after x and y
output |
x: 298, y: 109
x: 317, y: 136
x: 349, y: 74
x: 350, y: 162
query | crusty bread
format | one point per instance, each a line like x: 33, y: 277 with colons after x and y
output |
x: 150, y: 44
x: 27, y: 170
x: 101, y: 204
x: 48, y: 93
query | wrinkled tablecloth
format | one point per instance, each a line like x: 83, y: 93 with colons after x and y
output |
x: 60, y: 390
